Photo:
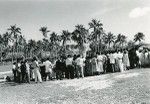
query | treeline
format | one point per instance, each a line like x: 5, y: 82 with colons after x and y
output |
x: 13, y: 44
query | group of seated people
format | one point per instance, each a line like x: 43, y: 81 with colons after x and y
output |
x: 69, y: 67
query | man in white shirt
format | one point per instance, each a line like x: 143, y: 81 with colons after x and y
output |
x: 112, y: 61
x: 48, y: 69
x: 80, y: 64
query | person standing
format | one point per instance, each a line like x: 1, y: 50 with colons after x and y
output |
x: 126, y: 62
x: 14, y: 71
x: 146, y: 58
x: 120, y: 56
x: 100, y: 63
x: 58, y: 69
x: 37, y: 74
x: 140, y: 58
x: 94, y: 65
x: 18, y: 65
x: 48, y: 69
x: 23, y: 71
x: 112, y: 61
x: 70, y: 69
x: 80, y: 66
x: 27, y: 71
x: 105, y: 64
x: 116, y: 61
x: 42, y: 70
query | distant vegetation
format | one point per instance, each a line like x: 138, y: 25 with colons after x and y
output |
x: 14, y: 45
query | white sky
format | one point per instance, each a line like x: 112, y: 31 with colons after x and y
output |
x: 118, y: 16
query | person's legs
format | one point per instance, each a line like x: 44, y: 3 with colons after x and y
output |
x: 35, y: 75
x: 112, y: 67
x: 71, y: 72
x: 18, y: 77
x: 82, y: 71
x: 77, y: 71
x: 68, y: 72
x: 39, y: 76
x: 15, y: 75
x: 49, y: 74
x: 60, y: 74
x: 28, y: 77
x: 23, y: 77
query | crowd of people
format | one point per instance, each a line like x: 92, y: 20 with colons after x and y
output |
x: 70, y: 67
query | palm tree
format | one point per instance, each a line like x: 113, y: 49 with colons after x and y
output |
x: 121, y: 39
x: 109, y: 38
x: 139, y: 37
x: 44, y: 31
x: 6, y: 39
x: 40, y: 48
x: 21, y: 42
x: 97, y: 32
x: 45, y: 44
x: 54, y: 42
x: 31, y: 46
x: 79, y: 35
x: 54, y: 38
x: 15, y: 32
x: 65, y: 36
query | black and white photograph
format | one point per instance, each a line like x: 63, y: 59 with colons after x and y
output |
x: 74, y: 51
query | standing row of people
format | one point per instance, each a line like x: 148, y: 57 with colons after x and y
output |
x: 21, y: 71
x: 71, y: 67
x: 108, y: 62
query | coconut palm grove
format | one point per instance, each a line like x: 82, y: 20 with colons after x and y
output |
x: 82, y: 40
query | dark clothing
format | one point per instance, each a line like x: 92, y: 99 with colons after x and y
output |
x: 18, y: 72
x: 19, y: 76
x: 23, y: 73
x: 70, y: 72
x: 43, y: 74
x: 15, y: 75
x: 112, y: 67
x: 59, y: 69
x: 132, y: 58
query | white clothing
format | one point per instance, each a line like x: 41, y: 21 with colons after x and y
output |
x: 27, y: 67
x: 112, y: 58
x: 19, y: 65
x: 100, y: 63
x: 37, y: 74
x: 69, y: 61
x: 35, y: 64
x: 120, y: 56
x: 80, y: 61
x: 115, y: 55
x: 14, y: 67
x: 48, y: 66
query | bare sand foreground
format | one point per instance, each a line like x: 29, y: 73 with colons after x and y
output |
x: 130, y: 87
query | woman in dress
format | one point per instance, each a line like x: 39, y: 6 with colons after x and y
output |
x: 37, y: 74
x: 100, y: 63
x: 94, y: 65
x: 120, y: 56
x: 126, y: 62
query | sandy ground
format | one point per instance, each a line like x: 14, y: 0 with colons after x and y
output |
x: 130, y: 87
